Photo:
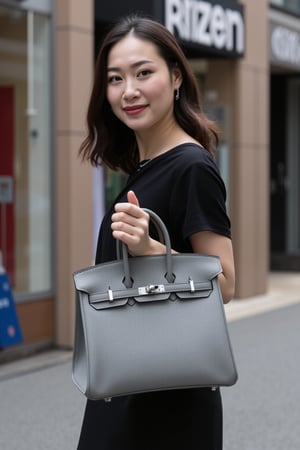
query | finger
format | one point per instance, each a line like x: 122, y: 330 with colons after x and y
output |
x: 129, y: 208
x: 132, y: 198
x: 130, y: 218
x: 128, y: 239
x: 129, y: 228
x: 129, y: 224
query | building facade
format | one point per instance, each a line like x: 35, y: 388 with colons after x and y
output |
x: 246, y: 56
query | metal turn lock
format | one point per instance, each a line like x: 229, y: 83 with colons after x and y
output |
x: 151, y: 289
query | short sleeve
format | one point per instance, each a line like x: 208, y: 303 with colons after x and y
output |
x: 199, y: 197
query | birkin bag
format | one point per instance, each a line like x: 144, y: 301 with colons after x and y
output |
x: 151, y: 323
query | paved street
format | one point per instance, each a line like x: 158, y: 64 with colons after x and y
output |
x: 262, y: 412
x: 40, y: 408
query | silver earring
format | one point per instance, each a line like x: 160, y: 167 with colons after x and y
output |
x: 177, y: 94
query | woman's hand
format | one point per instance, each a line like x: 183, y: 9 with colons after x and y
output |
x: 130, y: 224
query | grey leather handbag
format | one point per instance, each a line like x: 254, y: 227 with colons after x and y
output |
x: 151, y: 323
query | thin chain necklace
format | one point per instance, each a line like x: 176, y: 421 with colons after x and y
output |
x: 143, y: 163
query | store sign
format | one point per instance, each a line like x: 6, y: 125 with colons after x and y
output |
x: 285, y: 46
x: 215, y: 25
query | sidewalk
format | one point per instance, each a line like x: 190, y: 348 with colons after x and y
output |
x: 284, y: 290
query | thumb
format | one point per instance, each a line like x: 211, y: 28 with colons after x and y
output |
x: 132, y: 198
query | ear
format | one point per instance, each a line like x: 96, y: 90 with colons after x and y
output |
x: 176, y: 77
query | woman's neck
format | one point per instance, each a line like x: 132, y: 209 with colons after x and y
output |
x: 152, y: 144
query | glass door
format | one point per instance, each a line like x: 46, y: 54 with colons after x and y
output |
x: 25, y: 162
x: 293, y: 205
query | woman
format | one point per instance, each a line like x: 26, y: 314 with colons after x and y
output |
x: 145, y: 119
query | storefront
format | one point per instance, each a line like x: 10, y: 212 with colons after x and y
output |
x: 46, y: 218
x: 26, y: 225
x: 285, y: 139
x: 54, y: 203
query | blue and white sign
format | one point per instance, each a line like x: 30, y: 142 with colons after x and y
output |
x: 10, y: 330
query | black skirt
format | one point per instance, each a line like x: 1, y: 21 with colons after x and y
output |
x: 178, y: 420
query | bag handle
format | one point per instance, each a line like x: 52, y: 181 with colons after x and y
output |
x: 163, y: 237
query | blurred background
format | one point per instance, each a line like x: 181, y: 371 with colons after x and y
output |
x: 246, y: 57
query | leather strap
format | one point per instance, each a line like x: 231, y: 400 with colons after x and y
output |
x: 164, y: 238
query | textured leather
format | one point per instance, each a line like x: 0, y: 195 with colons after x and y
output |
x: 154, y: 334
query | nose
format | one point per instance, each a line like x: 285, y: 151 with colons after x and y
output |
x: 130, y: 90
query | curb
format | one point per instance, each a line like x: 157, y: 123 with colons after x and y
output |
x: 34, y: 363
x: 284, y: 290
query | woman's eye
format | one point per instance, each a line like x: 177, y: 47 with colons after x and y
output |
x: 114, y: 78
x: 144, y: 73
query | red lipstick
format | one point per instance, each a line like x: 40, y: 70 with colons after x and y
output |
x: 135, y: 109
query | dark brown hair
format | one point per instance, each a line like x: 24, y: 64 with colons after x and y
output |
x: 112, y: 142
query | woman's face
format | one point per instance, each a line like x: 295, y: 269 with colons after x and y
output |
x: 140, y: 87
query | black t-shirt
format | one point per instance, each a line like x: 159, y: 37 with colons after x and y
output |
x: 183, y: 186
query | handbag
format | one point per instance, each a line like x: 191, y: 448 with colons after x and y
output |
x: 151, y: 323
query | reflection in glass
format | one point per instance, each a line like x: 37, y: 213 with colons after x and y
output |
x: 25, y: 149
x: 291, y: 5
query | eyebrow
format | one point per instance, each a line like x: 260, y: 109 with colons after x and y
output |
x: 132, y: 66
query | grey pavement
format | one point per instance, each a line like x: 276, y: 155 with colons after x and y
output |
x: 41, y: 409
x: 262, y: 412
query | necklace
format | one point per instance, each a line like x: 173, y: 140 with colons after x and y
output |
x: 143, y: 163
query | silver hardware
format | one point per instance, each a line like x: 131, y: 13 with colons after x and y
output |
x: 151, y: 289
x: 107, y: 399
x: 214, y: 388
x: 192, y: 284
x: 110, y: 294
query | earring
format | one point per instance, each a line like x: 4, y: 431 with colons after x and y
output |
x: 177, y: 94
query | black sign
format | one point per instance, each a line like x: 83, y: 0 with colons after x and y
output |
x: 204, y: 27
x: 211, y: 26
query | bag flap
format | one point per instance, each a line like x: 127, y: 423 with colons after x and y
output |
x: 147, y: 271
x: 104, y: 286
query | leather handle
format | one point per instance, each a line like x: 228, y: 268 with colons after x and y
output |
x: 163, y: 237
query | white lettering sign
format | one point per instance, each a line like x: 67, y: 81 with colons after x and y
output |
x: 4, y: 303
x: 285, y: 45
x: 206, y: 24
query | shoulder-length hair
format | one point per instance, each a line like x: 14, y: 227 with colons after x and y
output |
x: 108, y: 139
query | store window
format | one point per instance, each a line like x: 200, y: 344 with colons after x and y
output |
x: 25, y: 165
x: 290, y: 5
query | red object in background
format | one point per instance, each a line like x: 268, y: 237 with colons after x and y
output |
x: 7, y: 232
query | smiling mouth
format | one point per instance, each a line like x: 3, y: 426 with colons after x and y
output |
x: 133, y: 110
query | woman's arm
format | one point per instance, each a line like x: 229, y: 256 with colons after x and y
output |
x: 210, y: 243
x: 130, y: 224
